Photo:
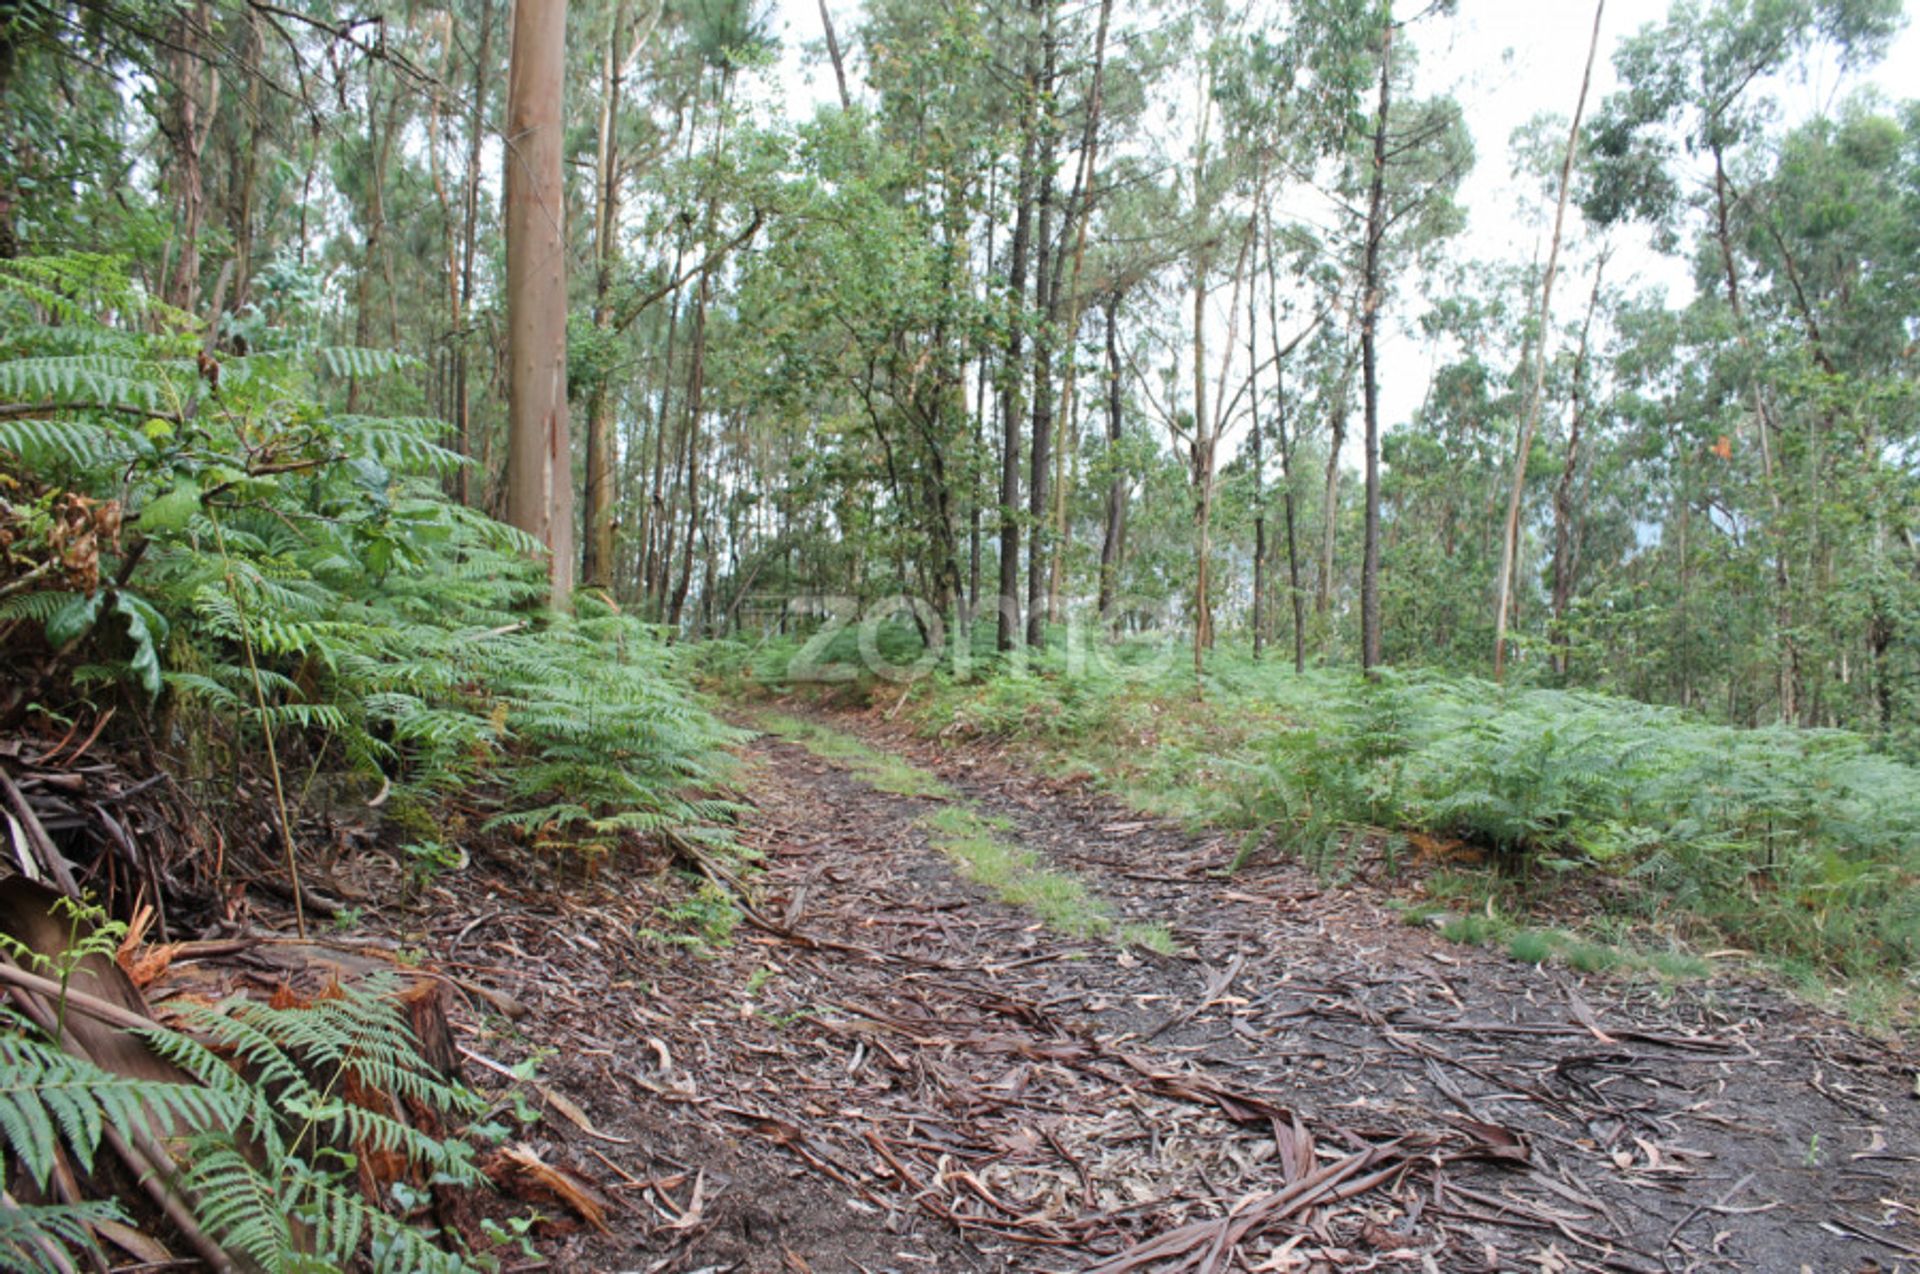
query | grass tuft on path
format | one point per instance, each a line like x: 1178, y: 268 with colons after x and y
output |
x: 976, y: 841
x: 1016, y: 874
x: 874, y: 768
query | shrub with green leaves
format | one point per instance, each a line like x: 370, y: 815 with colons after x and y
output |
x: 297, y: 571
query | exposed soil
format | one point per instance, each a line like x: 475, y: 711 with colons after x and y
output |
x: 891, y: 1070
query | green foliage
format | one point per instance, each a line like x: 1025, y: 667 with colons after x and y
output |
x: 271, y: 1130
x: 706, y: 917
x: 49, y: 1099
x: 293, y: 1080
x: 1789, y: 842
x: 31, y: 1234
x: 298, y: 571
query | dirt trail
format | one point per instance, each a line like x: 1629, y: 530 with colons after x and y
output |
x: 892, y: 1070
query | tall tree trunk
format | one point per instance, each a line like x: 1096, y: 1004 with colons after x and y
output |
x: 539, y: 452
x: 833, y: 54
x: 1080, y: 212
x: 1330, y: 500
x: 596, y: 566
x: 696, y: 385
x: 978, y: 492
x: 1370, y: 306
x: 654, y: 528
x: 1543, y: 316
x: 9, y: 62
x: 1789, y: 670
x: 1202, y: 447
x: 379, y: 153
x: 1116, y: 512
x: 247, y: 165
x: 1285, y: 443
x: 1295, y: 592
x: 1046, y: 283
x: 196, y: 96
x: 1202, y: 476
x: 1012, y: 373
x: 1563, y: 547
x: 1259, y: 473
x: 469, y: 249
x: 697, y: 369
x: 443, y: 403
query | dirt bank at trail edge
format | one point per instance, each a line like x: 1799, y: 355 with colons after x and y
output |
x: 893, y: 1070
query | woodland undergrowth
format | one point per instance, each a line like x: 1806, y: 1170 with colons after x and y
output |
x: 199, y: 536
x: 1640, y: 823
x: 210, y: 569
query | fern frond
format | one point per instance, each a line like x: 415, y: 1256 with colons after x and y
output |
x: 48, y: 1097
x: 79, y: 444
x: 26, y: 1229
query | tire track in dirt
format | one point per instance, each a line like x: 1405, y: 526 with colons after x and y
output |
x: 894, y: 1070
x: 1606, y: 1123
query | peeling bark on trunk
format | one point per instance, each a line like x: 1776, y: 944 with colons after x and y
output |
x: 196, y: 96
x: 539, y: 453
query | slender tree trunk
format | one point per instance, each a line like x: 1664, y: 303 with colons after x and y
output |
x: 1202, y: 465
x: 1295, y: 592
x: 1330, y: 501
x: 979, y: 491
x: 654, y: 530
x: 444, y: 357
x: 1202, y: 448
x: 242, y: 205
x: 196, y: 96
x: 9, y: 195
x: 1543, y: 316
x: 697, y: 369
x: 596, y: 568
x: 1116, y: 512
x: 379, y: 152
x: 696, y: 384
x: 1046, y: 283
x: 469, y: 248
x: 1259, y: 471
x: 539, y: 454
x: 1789, y: 671
x: 833, y: 55
x: 1371, y: 303
x: 1563, y: 491
x: 1012, y: 373
x: 1285, y: 442
x: 1080, y: 213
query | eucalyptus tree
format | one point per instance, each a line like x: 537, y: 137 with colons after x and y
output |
x: 1832, y: 250
x: 1417, y: 153
x: 1510, y: 535
x: 539, y: 450
x: 1695, y: 96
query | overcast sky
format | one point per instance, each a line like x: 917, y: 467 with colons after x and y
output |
x: 1506, y: 61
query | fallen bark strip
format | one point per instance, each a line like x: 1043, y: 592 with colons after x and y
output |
x: 1218, y: 1236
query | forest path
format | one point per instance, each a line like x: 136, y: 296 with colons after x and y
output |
x: 907, y: 1072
